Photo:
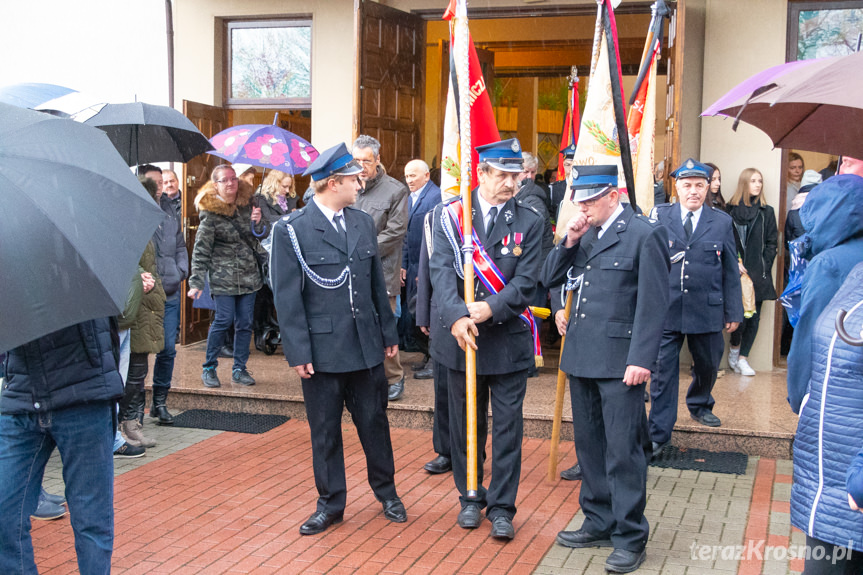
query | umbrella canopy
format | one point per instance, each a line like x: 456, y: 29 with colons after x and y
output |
x: 265, y: 146
x: 145, y: 133
x: 32, y: 94
x: 75, y: 221
x: 812, y: 105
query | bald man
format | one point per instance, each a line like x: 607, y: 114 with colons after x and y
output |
x: 424, y: 196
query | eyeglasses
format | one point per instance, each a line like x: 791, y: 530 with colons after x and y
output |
x: 366, y: 162
x: 225, y: 181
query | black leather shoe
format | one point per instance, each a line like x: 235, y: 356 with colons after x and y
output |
x: 421, y: 365
x: 439, y: 464
x: 394, y: 510
x: 319, y: 521
x: 707, y: 419
x: 226, y: 351
x: 396, y: 390
x: 210, y: 378
x: 572, y: 474
x: 581, y: 538
x: 427, y: 373
x: 501, y: 528
x: 623, y: 561
x: 659, y: 447
x: 469, y: 517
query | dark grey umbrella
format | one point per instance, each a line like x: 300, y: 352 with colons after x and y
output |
x: 148, y: 133
x: 73, y: 224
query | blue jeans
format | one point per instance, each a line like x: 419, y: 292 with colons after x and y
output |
x: 236, y: 310
x: 163, y: 367
x: 84, y: 435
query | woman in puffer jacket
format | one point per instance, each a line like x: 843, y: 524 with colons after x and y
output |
x: 224, y: 254
x: 825, y: 377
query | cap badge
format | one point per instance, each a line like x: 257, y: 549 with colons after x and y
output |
x: 515, y: 147
x: 574, y: 174
x: 690, y: 165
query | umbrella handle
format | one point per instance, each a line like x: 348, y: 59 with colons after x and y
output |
x: 840, y: 330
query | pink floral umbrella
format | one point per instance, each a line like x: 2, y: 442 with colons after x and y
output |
x: 265, y: 146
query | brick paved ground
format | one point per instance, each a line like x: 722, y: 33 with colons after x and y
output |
x: 213, y: 502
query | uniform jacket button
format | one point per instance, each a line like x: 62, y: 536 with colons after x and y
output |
x: 686, y: 291
x: 686, y: 277
x: 587, y: 268
x: 615, y: 263
x: 582, y: 316
x: 37, y: 405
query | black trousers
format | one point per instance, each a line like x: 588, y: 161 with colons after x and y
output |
x: 440, y: 423
x: 744, y: 335
x: 828, y: 559
x: 706, y: 350
x: 364, y: 394
x: 612, y: 445
x: 506, y: 392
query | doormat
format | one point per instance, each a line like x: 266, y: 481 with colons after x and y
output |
x: 228, y: 421
x: 700, y: 460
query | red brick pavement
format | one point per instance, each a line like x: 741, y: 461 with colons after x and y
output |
x: 234, y: 504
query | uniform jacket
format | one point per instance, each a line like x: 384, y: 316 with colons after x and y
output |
x: 759, y: 250
x: 830, y: 429
x: 220, y: 251
x: 71, y: 366
x: 505, y: 342
x: 172, y: 258
x: 532, y: 194
x: 426, y: 308
x: 333, y: 329
x: 385, y: 199
x: 704, y: 285
x: 558, y: 191
x: 147, y: 332
x: 427, y: 200
x: 833, y: 216
x: 623, y: 299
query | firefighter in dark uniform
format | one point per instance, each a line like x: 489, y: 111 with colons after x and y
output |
x: 616, y: 264
x: 333, y: 309
x: 511, y: 234
x: 704, y: 298
x: 558, y: 189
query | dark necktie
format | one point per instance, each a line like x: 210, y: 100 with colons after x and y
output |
x: 492, y: 214
x: 687, y: 225
x: 338, y: 221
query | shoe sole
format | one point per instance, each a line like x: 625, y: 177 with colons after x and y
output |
x: 119, y: 456
x: 638, y: 564
x: 48, y: 518
x: 571, y: 545
x: 395, y: 519
x: 437, y: 471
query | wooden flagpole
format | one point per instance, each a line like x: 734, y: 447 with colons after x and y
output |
x: 558, y: 397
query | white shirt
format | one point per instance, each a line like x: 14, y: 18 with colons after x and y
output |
x: 696, y: 215
x: 328, y: 213
x: 486, y: 208
x: 415, y: 196
x: 610, y: 220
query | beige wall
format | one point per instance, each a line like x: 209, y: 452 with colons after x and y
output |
x: 199, y: 55
x: 735, y: 49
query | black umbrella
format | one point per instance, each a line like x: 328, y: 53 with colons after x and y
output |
x: 147, y: 133
x: 73, y: 224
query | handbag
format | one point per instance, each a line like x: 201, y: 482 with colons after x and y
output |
x: 263, y: 260
x: 748, y: 289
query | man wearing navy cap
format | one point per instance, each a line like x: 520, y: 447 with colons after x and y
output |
x: 558, y: 189
x: 510, y: 235
x: 616, y: 264
x: 332, y: 304
x: 704, y: 298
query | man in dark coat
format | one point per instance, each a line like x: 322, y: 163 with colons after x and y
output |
x: 424, y: 196
x: 60, y: 391
x: 511, y: 235
x: 619, y: 262
x: 426, y: 309
x: 558, y: 189
x: 385, y: 199
x: 704, y: 298
x: 333, y: 308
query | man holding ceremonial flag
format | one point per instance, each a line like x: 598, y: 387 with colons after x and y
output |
x: 498, y: 325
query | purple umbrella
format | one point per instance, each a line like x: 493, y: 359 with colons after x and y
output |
x: 266, y: 146
x: 812, y: 105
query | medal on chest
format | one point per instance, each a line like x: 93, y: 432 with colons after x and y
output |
x: 505, y: 241
x: 517, y: 238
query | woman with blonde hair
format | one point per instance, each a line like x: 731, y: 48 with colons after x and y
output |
x: 277, y: 196
x: 756, y: 236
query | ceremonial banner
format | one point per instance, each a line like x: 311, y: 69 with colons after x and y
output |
x: 641, y: 123
x: 571, y: 123
x: 482, y: 123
